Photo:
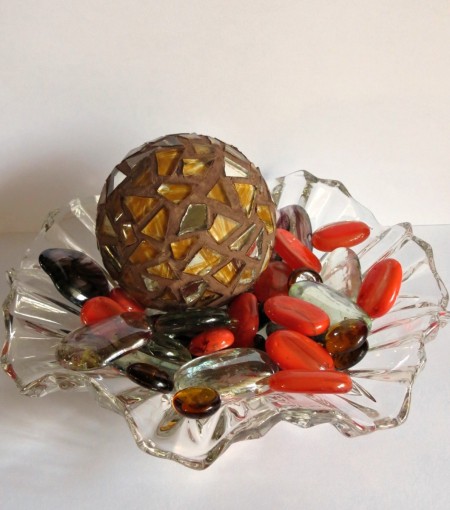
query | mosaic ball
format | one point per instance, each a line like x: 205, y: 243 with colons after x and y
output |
x: 185, y: 221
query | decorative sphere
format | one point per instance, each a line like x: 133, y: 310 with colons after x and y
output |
x: 185, y: 221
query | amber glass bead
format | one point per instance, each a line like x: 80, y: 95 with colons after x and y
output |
x: 244, y: 311
x: 345, y: 360
x: 211, y: 341
x: 98, y: 309
x: 292, y: 350
x: 196, y: 402
x: 297, y: 314
x: 380, y: 287
x: 300, y: 381
x: 346, y: 336
x: 295, y: 253
x: 150, y: 377
x: 273, y: 281
x: 342, y: 234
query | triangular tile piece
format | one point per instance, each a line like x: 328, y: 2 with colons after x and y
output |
x: 194, y: 167
x: 168, y: 296
x: 217, y: 192
x: 181, y: 248
x: 233, y: 169
x: 195, y: 218
x: 246, y: 194
x: 209, y: 296
x: 228, y: 273
x: 247, y: 277
x: 243, y: 239
x: 193, y: 291
x: 127, y: 234
x: 107, y: 227
x: 139, y: 207
x: 255, y: 250
x: 145, y: 252
x: 203, y: 261
x: 150, y: 284
x: 222, y: 228
x: 157, y: 226
x: 265, y: 215
x: 164, y: 270
x: 167, y: 161
x: 174, y: 192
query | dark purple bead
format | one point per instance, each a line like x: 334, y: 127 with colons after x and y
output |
x: 295, y: 219
x: 150, y: 377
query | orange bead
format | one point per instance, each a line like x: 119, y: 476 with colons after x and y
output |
x: 292, y: 350
x: 129, y: 304
x: 346, y: 336
x: 196, y: 402
x: 210, y: 341
x: 98, y: 309
x: 294, y: 252
x: 298, y: 381
x: 342, y: 234
x: 273, y: 281
x: 244, y: 311
x: 380, y: 287
x: 297, y: 314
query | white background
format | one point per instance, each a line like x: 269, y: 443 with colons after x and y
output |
x: 357, y: 91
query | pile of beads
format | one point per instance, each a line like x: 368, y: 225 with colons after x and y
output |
x: 306, y: 322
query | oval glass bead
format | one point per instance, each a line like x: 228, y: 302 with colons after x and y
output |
x: 233, y: 372
x: 196, y: 402
x: 341, y: 271
x: 126, y: 302
x: 150, y: 377
x: 293, y: 252
x: 299, y: 381
x: 98, y: 309
x: 95, y: 346
x: 210, y: 341
x: 75, y: 275
x: 292, y: 350
x: 340, y: 234
x: 244, y: 312
x: 139, y: 356
x: 346, y: 336
x: 297, y: 314
x: 191, y: 321
x: 295, y: 219
x: 166, y: 347
x: 380, y: 287
x: 273, y: 281
x: 336, y: 306
x: 345, y: 360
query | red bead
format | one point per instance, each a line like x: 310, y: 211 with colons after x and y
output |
x: 298, y: 381
x: 125, y: 301
x: 210, y: 341
x: 98, y: 309
x: 294, y: 313
x: 244, y: 310
x: 273, y: 281
x: 295, y: 253
x: 342, y: 234
x: 292, y: 350
x: 380, y: 287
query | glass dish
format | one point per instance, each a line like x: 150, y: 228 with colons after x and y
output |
x: 37, y: 317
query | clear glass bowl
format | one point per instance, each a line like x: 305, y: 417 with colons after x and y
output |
x: 37, y: 317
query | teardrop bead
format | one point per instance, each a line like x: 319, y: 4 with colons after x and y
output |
x: 341, y: 271
x: 231, y: 372
x: 75, y: 275
x: 293, y: 252
x: 335, y: 305
x: 98, y: 309
x: 210, y: 341
x: 380, y: 287
x: 95, y: 346
x: 244, y: 312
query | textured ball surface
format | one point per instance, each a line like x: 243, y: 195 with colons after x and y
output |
x: 185, y: 221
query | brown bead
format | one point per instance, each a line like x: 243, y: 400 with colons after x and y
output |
x: 346, y: 360
x: 150, y: 377
x: 304, y: 274
x: 196, y: 402
x: 346, y: 336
